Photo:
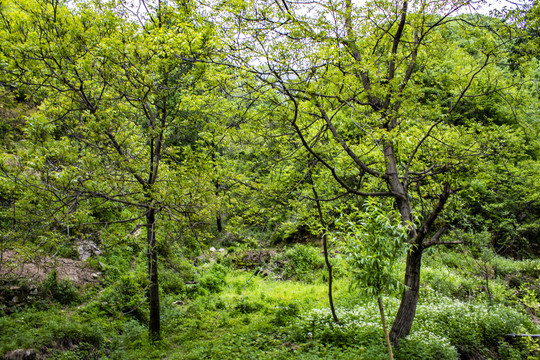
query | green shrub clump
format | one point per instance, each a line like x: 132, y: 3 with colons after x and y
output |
x: 300, y: 262
x: 210, y: 280
x: 58, y: 290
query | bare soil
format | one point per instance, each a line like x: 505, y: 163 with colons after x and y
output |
x: 38, y: 268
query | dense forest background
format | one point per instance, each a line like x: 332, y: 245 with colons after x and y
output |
x: 269, y: 180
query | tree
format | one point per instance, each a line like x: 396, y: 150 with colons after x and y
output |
x: 373, y: 240
x: 377, y: 95
x: 114, y: 97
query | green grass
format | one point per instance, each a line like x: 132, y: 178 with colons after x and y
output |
x: 234, y: 314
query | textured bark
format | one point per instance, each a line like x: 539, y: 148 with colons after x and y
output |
x: 385, y: 329
x: 407, y: 308
x: 153, y: 292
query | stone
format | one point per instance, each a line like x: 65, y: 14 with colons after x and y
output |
x: 213, y: 249
x: 21, y: 354
x: 33, y: 290
x: 86, y: 249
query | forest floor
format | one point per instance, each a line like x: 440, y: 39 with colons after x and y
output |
x: 16, y: 266
x: 252, y: 304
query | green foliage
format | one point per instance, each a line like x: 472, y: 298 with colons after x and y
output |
x: 285, y: 313
x: 175, y: 273
x: 211, y: 280
x: 373, y: 239
x: 121, y: 99
x: 53, y: 329
x: 126, y: 296
x: 301, y: 262
x: 471, y: 328
x: 58, y: 290
x: 426, y: 346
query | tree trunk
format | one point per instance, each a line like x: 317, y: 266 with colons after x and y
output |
x: 218, y: 223
x: 385, y: 329
x: 153, y: 291
x: 325, y: 247
x: 329, y: 267
x: 407, y: 309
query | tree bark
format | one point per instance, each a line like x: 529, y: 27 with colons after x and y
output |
x: 407, y: 308
x: 325, y: 247
x: 218, y: 223
x: 153, y: 291
x: 385, y: 329
x: 329, y: 267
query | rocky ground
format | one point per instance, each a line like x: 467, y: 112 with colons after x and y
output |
x: 16, y: 266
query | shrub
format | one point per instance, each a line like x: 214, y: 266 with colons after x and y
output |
x: 127, y: 296
x: 360, y: 326
x: 301, y: 261
x: 284, y: 313
x: 504, y: 266
x: 211, y: 280
x: 61, y: 291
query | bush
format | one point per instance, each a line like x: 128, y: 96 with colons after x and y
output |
x: 284, y: 313
x: 51, y: 329
x: 210, y: 281
x: 126, y: 296
x: 301, y: 261
x: 174, y: 275
x: 360, y: 326
x: 61, y: 291
x: 504, y: 266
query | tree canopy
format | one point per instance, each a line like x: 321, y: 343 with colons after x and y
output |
x: 202, y: 121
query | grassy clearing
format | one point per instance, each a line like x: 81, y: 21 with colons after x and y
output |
x: 227, y: 313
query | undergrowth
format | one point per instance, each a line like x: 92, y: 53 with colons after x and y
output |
x: 214, y: 311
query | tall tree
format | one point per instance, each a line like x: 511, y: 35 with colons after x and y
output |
x: 115, y: 95
x: 376, y: 94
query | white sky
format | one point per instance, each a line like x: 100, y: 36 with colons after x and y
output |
x: 499, y: 5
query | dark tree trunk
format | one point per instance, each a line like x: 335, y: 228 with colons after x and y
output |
x: 407, y: 309
x: 218, y: 222
x: 325, y: 247
x: 329, y: 267
x: 153, y: 291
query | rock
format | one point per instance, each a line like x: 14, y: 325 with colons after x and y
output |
x: 212, y: 249
x: 21, y: 354
x: 222, y: 250
x: 33, y: 290
x: 136, y: 233
x: 86, y: 249
x: 15, y: 299
x: 96, y: 275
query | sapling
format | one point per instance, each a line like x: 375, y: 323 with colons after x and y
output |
x: 373, y: 239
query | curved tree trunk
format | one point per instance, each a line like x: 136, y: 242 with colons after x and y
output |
x: 407, y: 308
